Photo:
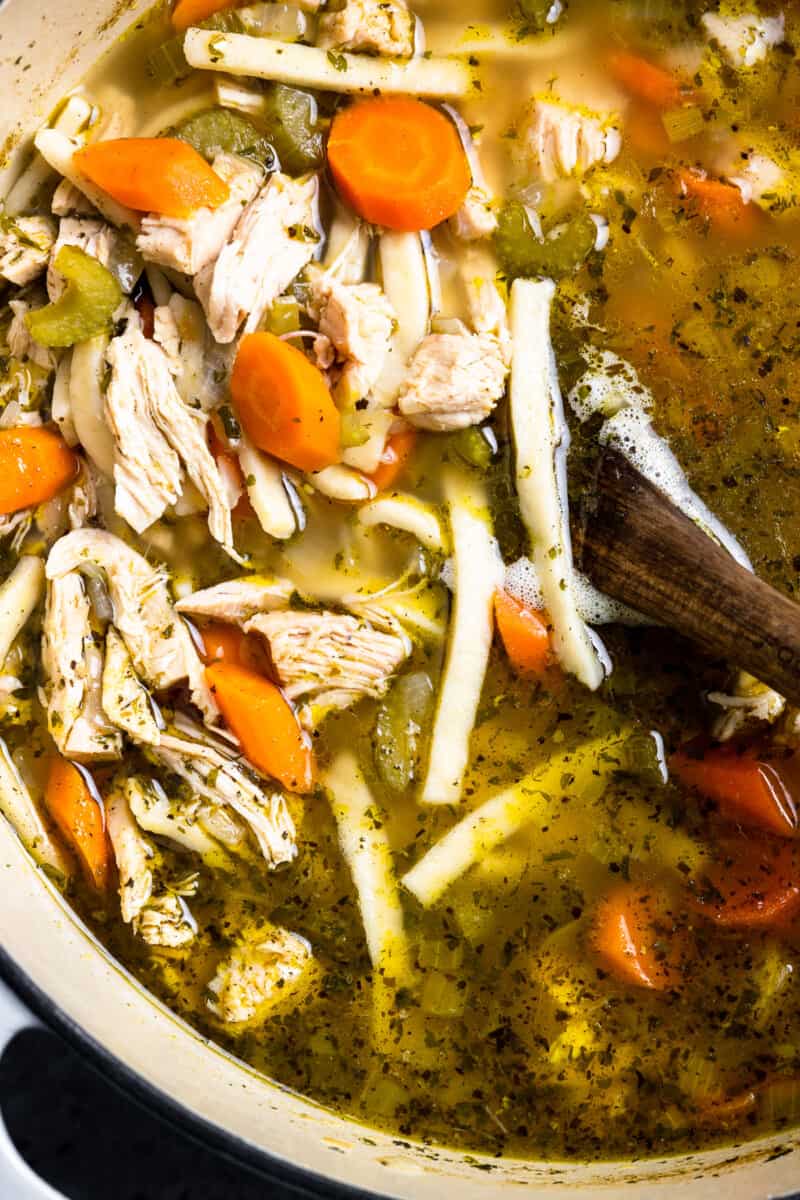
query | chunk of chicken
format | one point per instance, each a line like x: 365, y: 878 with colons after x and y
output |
x: 751, y: 704
x: 330, y: 659
x: 268, y: 967
x: 275, y: 237
x: 358, y: 321
x: 454, y: 380
x: 558, y: 140
x: 95, y: 237
x: 160, y: 920
x: 237, y: 600
x: 475, y: 219
x: 125, y: 700
x: 189, y: 245
x: 73, y: 670
x: 158, y: 641
x: 745, y: 39
x: 219, y: 779
x: 25, y: 246
x: 200, y: 367
x: 181, y: 822
x: 384, y: 27
x: 156, y: 436
x: 69, y: 201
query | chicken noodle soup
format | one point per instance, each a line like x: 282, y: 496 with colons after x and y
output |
x: 316, y: 317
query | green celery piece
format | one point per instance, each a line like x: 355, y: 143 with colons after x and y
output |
x: 222, y: 131
x: 522, y: 253
x: 87, y: 306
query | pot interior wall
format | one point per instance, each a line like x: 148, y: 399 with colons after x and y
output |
x: 45, y: 49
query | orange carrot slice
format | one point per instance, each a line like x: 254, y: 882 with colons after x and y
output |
x: 398, y: 451
x: 721, y: 204
x: 227, y: 643
x: 644, y: 80
x: 398, y: 162
x: 160, y: 175
x: 191, y: 12
x: 756, y: 886
x: 524, y: 632
x: 753, y: 791
x: 35, y: 464
x: 635, y: 941
x: 79, y: 815
x: 265, y: 724
x: 284, y: 403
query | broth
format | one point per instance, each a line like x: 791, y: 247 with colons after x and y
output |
x: 517, y: 1028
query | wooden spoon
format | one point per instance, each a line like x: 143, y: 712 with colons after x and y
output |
x: 639, y: 548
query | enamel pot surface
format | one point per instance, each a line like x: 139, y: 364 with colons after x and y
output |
x: 69, y: 981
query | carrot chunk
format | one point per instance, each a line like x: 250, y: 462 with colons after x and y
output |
x: 284, y: 403
x: 160, y: 175
x: 398, y: 451
x: 635, y: 938
x: 721, y: 204
x: 265, y: 724
x: 524, y: 632
x: 79, y: 815
x: 191, y: 12
x: 398, y: 162
x: 35, y: 464
x: 646, y: 81
x: 755, y: 886
x: 756, y: 792
x: 227, y: 643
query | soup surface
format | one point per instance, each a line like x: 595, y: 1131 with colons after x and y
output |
x: 303, y: 700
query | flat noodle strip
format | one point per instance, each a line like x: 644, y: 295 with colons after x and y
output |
x: 309, y: 66
x: 365, y: 847
x: 479, y: 572
x: 541, y: 438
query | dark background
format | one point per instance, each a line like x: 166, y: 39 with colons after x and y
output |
x: 89, y: 1141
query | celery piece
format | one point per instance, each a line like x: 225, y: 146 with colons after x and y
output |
x: 284, y: 316
x: 290, y: 116
x: 522, y: 253
x: 680, y: 124
x: 443, y: 996
x: 167, y: 63
x: 222, y: 131
x: 400, y: 728
x: 475, y: 446
x: 534, y: 15
x: 443, y: 954
x: 86, y: 307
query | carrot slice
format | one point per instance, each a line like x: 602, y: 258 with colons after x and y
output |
x: 265, y: 724
x: 35, y: 464
x: 284, y: 403
x: 191, y: 12
x: 525, y: 634
x: 398, y: 451
x: 79, y: 815
x: 756, y: 886
x: 636, y: 941
x: 756, y: 792
x: 398, y: 162
x: 721, y: 204
x: 160, y: 175
x: 647, y: 82
x: 227, y: 643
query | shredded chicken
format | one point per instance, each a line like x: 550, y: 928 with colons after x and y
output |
x: 189, y: 823
x: 752, y: 703
x: 219, y: 779
x: 160, y: 920
x: 156, y: 436
x: 69, y: 201
x: 263, y: 971
x: 275, y: 237
x: 557, y: 140
x: 158, y: 641
x: 237, y: 600
x: 191, y: 244
x: 475, y: 219
x: 330, y: 658
x: 20, y: 343
x: 25, y: 246
x: 73, y: 668
x: 200, y: 367
x: 454, y: 380
x: 95, y: 237
x: 384, y: 27
x: 745, y: 39
x: 126, y: 702
x: 357, y: 321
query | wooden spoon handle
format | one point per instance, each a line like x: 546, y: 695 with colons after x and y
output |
x: 639, y: 548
